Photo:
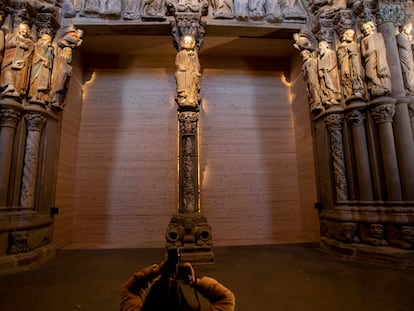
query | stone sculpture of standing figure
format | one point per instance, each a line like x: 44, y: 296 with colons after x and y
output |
x: 377, y: 72
x: 328, y: 75
x: 404, y: 39
x: 350, y: 68
x: 310, y: 74
x: 187, y: 73
x: 41, y: 72
x: 15, y: 68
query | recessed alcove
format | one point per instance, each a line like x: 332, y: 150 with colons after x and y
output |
x: 257, y: 178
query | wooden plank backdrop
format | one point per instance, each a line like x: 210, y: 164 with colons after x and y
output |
x: 123, y: 188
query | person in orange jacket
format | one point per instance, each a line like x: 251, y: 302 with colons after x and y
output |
x: 156, y: 289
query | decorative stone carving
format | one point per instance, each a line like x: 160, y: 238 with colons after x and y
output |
x: 41, y: 71
x: 132, y: 9
x: 27, y: 240
x: 153, y: 9
x: 257, y: 9
x: 328, y: 76
x: 346, y: 232
x: 404, y: 41
x: 305, y: 40
x: 223, y: 8
x: 191, y: 229
x: 15, y: 69
x: 188, y: 162
x: 334, y: 124
x: 392, y: 12
x: 102, y: 7
x: 373, y: 234
x: 241, y: 9
x: 310, y: 75
x: 350, y: 67
x: 35, y: 124
x: 65, y: 41
x: 187, y: 73
x: 373, y: 51
x: 400, y: 236
x: 383, y: 113
x: 9, y: 117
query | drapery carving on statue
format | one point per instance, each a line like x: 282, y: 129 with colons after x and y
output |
x: 328, y: 76
x: 41, y: 71
x: 102, y: 7
x: 373, y: 51
x: 16, y: 64
x: 326, y: 8
x: 350, y: 68
x: 223, y: 8
x: 404, y: 42
x: 131, y: 9
x: 188, y: 74
x: 310, y: 75
x: 65, y: 41
x: 153, y: 9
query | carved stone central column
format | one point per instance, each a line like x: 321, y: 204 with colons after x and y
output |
x: 189, y: 229
x: 383, y: 115
x: 35, y: 124
x: 8, y: 122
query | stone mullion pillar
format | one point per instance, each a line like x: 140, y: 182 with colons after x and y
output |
x: 402, y: 124
x: 356, y: 119
x: 35, y: 124
x: 383, y: 116
x: 8, y: 123
x: 335, y: 124
x: 188, y: 173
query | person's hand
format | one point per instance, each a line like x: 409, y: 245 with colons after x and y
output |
x: 158, y: 268
x: 191, y: 281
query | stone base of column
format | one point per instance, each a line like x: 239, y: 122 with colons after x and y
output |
x: 381, y: 232
x: 191, y: 233
x: 372, y: 254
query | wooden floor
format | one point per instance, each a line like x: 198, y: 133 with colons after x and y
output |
x: 263, y: 278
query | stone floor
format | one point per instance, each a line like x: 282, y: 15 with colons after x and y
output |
x: 263, y: 278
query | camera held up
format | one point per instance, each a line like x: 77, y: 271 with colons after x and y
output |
x: 175, y: 269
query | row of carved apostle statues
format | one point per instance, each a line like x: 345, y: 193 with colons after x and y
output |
x: 37, y: 71
x: 357, y: 71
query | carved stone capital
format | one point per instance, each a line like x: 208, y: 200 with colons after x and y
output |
x: 383, y: 113
x: 9, y: 117
x: 188, y: 24
x: 392, y: 12
x: 188, y: 122
x: 35, y: 121
x: 334, y: 121
x: 356, y: 118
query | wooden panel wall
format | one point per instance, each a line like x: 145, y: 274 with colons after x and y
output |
x: 66, y: 176
x: 304, y: 153
x: 126, y: 166
x: 248, y: 159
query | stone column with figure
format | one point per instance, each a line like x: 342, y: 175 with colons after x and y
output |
x: 188, y: 229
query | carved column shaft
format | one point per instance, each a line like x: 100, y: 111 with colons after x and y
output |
x: 8, y: 122
x: 188, y: 180
x: 402, y: 125
x: 383, y: 116
x: 357, y: 121
x: 334, y: 124
x: 35, y: 124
